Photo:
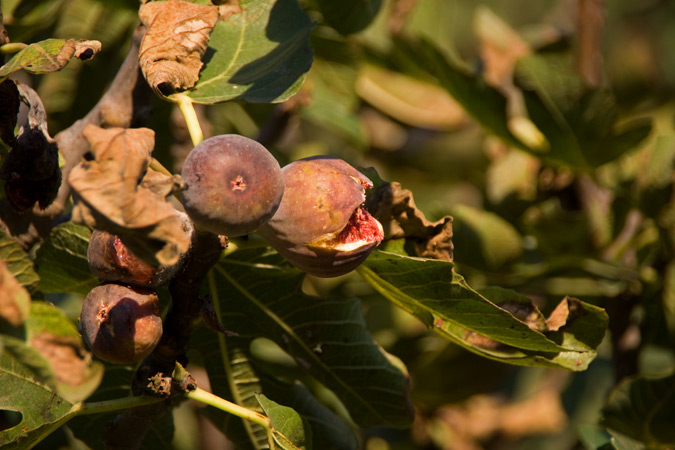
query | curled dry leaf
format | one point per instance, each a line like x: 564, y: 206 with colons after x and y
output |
x: 110, y: 194
x: 395, y: 208
x: 175, y: 41
x: 14, y: 298
x: 49, y: 55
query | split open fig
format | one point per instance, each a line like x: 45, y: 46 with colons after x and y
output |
x: 321, y: 226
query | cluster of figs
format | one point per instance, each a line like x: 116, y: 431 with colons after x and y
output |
x: 310, y: 211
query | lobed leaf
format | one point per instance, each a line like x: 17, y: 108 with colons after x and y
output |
x: 443, y: 301
x: 61, y: 261
x: 259, y: 55
x: 261, y: 295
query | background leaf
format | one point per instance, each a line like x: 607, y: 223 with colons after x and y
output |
x: 349, y: 16
x: 644, y: 409
x: 259, y: 55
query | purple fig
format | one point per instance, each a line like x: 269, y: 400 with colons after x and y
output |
x: 321, y: 226
x: 234, y: 185
x: 111, y: 260
x: 121, y: 324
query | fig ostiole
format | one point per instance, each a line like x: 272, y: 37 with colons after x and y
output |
x: 120, y: 323
x: 321, y: 226
x: 234, y: 185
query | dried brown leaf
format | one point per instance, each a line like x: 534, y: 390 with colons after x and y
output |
x: 110, y: 195
x: 14, y: 298
x: 175, y: 41
x: 395, y: 208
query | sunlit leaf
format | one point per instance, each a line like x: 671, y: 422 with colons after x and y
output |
x: 290, y: 431
x: 444, y: 302
x: 49, y: 55
x: 259, y: 55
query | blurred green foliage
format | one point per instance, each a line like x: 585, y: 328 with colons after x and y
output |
x: 578, y: 201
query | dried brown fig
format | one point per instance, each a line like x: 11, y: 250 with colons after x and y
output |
x: 121, y: 324
x: 321, y: 226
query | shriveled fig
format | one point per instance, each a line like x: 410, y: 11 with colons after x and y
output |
x: 234, y: 185
x: 321, y: 226
x: 121, y: 324
x: 111, y: 260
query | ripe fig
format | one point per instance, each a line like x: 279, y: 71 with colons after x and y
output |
x: 121, y: 324
x: 111, y: 260
x: 234, y: 185
x: 321, y: 226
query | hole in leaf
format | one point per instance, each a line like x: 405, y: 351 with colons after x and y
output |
x: 9, y: 419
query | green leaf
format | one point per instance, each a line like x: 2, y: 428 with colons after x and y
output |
x: 45, y: 56
x: 50, y: 332
x: 19, y: 264
x: 349, y: 16
x: 261, y: 295
x: 27, y: 386
x: 62, y: 260
x: 290, y: 431
x: 484, y: 238
x: 485, y: 104
x: 259, y: 55
x: 643, y: 408
x: 578, y: 122
x: 442, y: 300
x: 234, y: 375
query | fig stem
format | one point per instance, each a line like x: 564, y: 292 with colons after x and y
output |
x: 116, y: 404
x: 12, y: 47
x: 188, y: 110
x: 210, y: 399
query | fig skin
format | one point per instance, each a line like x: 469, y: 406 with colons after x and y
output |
x: 234, y: 185
x: 314, y: 227
x: 121, y: 324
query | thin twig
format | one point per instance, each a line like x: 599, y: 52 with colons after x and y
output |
x: 589, y: 54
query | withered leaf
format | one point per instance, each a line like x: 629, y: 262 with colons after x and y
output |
x: 109, y: 195
x: 395, y: 208
x: 14, y: 298
x: 175, y: 41
x: 49, y: 55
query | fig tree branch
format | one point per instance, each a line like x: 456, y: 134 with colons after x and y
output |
x: 125, y: 104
